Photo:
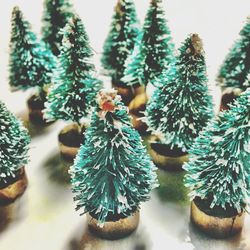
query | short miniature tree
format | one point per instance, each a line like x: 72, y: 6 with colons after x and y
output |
x: 75, y: 85
x: 235, y: 70
x: 154, y: 50
x: 121, y: 39
x: 181, y: 106
x: 14, y: 144
x: 55, y: 17
x: 218, y: 171
x: 112, y: 173
x: 30, y: 63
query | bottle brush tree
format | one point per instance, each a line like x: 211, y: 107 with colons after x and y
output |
x: 121, y: 39
x: 74, y: 88
x: 218, y: 172
x: 181, y: 106
x: 55, y: 17
x: 153, y: 51
x: 112, y: 173
x: 14, y: 145
x: 74, y: 85
x: 30, y: 62
x: 235, y: 70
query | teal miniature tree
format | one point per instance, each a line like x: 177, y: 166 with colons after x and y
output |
x: 75, y: 85
x: 181, y: 108
x: 235, y: 70
x: 218, y: 171
x: 154, y: 50
x: 121, y: 39
x: 112, y: 173
x: 55, y: 17
x: 30, y: 62
x: 14, y: 144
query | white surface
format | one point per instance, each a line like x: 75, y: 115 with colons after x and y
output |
x: 46, y: 217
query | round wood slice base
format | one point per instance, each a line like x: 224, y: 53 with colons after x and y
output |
x: 216, y: 227
x: 68, y: 151
x: 10, y: 193
x: 138, y: 105
x: 168, y: 163
x: 128, y: 93
x: 113, y: 230
x: 35, y: 107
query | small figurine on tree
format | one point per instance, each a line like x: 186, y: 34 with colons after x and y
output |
x: 119, y: 44
x: 55, y: 17
x: 218, y: 172
x: 153, y: 54
x: 74, y: 87
x: 30, y: 64
x: 234, y: 74
x: 112, y: 173
x: 180, y: 109
x: 14, y: 145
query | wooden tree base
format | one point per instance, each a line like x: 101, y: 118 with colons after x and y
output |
x: 113, y: 230
x: 136, y: 109
x: 70, y: 140
x: 216, y: 227
x: 228, y: 97
x: 169, y: 160
x: 14, y: 189
x: 128, y: 93
x: 35, y: 106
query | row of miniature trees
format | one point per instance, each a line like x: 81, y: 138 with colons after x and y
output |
x: 133, y: 57
x: 32, y: 61
x: 178, y: 111
x: 73, y: 86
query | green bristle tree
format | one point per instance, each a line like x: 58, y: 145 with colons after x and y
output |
x: 14, y: 144
x: 55, y: 17
x: 30, y: 62
x: 74, y: 86
x: 235, y: 70
x: 181, y: 106
x: 112, y: 173
x: 218, y: 171
x: 121, y: 39
x: 154, y: 51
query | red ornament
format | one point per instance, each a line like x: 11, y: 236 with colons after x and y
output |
x: 108, y: 106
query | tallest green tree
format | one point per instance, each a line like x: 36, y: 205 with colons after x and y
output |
x: 153, y: 52
x: 55, y: 17
x: 121, y: 39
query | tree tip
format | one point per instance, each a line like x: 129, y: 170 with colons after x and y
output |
x: 196, y: 42
x: 107, y: 99
x: 16, y: 9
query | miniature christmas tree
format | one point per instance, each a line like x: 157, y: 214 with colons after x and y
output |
x: 112, y: 173
x: 31, y: 63
x: 75, y: 85
x: 55, y: 17
x: 121, y: 39
x: 154, y: 50
x: 235, y: 70
x: 14, y: 145
x: 218, y: 170
x: 181, y: 108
